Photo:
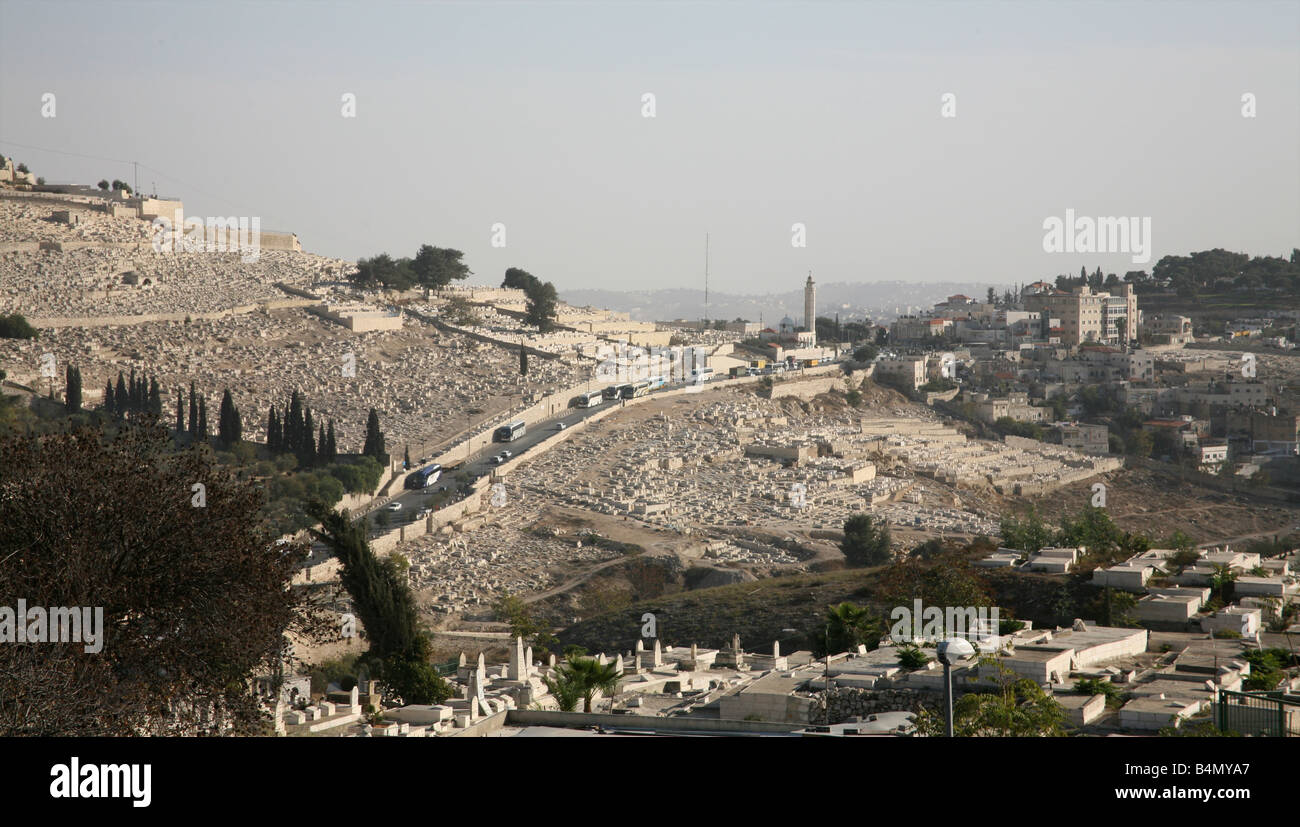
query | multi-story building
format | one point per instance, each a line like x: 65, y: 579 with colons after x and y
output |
x: 1085, y: 316
x: 918, y: 328
x: 1090, y: 439
x: 1267, y: 432
x: 1013, y: 406
x: 908, y: 370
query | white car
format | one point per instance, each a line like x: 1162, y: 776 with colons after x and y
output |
x: 560, y: 426
x: 394, y: 506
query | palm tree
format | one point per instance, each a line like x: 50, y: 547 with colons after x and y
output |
x: 1223, y: 575
x: 848, y: 626
x: 582, y: 678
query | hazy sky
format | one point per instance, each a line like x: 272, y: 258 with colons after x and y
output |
x: 767, y: 114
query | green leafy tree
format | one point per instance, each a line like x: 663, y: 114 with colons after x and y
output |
x: 943, y: 580
x: 15, y: 326
x: 436, y: 267
x: 1019, y: 708
x: 866, y: 353
x: 1029, y: 534
x: 518, y: 279
x: 541, y: 308
x: 866, y: 542
x: 181, y: 630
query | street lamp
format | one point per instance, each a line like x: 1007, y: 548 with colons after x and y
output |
x: 950, y: 652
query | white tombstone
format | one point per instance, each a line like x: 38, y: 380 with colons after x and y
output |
x: 517, y: 669
x: 659, y: 654
x: 618, y: 664
x: 776, y: 648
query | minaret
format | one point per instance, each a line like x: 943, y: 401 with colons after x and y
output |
x: 809, y: 306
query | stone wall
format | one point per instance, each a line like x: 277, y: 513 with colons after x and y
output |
x: 847, y: 702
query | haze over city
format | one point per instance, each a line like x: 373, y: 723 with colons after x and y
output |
x: 768, y: 114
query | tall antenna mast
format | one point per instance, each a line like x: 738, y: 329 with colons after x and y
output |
x: 706, y: 277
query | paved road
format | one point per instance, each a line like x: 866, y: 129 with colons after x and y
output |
x: 480, y: 463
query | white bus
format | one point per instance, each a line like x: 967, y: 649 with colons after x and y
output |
x: 591, y: 400
x: 701, y: 375
x: 509, y: 433
x: 636, y: 389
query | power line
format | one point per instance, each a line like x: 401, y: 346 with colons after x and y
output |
x: 156, y: 171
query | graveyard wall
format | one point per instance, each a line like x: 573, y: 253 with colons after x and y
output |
x: 483, y: 726
x: 146, y: 318
x: 579, y: 720
x: 272, y: 240
x: 808, y: 388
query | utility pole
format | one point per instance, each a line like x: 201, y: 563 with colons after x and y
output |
x: 706, y: 278
x: 136, y: 165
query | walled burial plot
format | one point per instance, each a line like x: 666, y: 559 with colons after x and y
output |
x: 420, y: 379
x: 87, y: 281
x: 500, y: 554
x: 682, y: 465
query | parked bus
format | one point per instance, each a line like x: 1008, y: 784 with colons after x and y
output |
x: 657, y: 382
x: 636, y: 389
x: 701, y: 375
x: 590, y: 400
x: 424, y: 477
x: 509, y: 433
x: 612, y: 392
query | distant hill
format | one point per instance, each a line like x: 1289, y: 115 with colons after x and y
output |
x: 874, y: 300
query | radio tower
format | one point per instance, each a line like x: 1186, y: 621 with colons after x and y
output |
x: 706, y: 279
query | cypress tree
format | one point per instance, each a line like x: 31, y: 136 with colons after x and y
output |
x: 332, y: 453
x: 236, y: 425
x: 406, y: 457
x: 293, y: 424
x: 109, y: 406
x: 523, y: 361
x: 322, y: 447
x: 155, y: 398
x: 307, y: 450
x: 203, y: 418
x: 274, y: 436
x: 224, y: 424
x: 122, y: 401
x: 194, y: 413
x: 180, y: 411
x: 72, y: 390
x: 374, y: 446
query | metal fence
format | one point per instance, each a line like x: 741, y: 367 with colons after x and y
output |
x: 1261, y: 714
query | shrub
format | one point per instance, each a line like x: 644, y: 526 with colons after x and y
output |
x: 15, y: 326
x: 911, y: 657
